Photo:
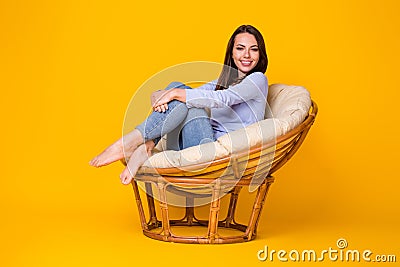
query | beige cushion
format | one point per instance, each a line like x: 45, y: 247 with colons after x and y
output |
x: 288, y: 107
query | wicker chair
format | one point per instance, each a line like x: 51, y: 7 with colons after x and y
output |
x: 224, y: 177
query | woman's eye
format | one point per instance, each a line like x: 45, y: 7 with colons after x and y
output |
x: 254, y: 49
x: 239, y: 48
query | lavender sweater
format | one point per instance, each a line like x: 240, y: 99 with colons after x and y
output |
x: 236, y: 107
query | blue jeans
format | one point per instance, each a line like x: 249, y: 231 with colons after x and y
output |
x: 184, y: 127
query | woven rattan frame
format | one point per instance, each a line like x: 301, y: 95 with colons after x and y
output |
x: 285, y: 147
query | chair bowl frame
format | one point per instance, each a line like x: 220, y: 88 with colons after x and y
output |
x: 284, y: 147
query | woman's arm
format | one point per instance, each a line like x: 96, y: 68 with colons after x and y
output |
x: 253, y: 87
x: 161, y: 105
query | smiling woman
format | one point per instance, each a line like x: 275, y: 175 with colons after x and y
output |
x: 236, y: 99
x: 245, y: 54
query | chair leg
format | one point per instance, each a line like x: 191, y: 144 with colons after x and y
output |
x: 164, y: 210
x: 140, y: 206
x: 230, y: 217
x: 189, y: 213
x: 268, y: 181
x: 214, y: 211
x: 257, y: 208
x: 189, y: 218
x: 153, y: 221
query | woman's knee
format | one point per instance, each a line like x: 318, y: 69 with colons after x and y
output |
x: 197, y: 122
x: 194, y: 113
x: 177, y: 85
x: 178, y: 105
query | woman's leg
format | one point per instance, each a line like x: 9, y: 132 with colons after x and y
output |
x: 138, y: 157
x: 161, y: 123
x: 155, y: 126
x: 194, y: 130
x: 116, y: 151
x: 197, y: 129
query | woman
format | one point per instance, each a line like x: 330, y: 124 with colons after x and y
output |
x: 236, y: 100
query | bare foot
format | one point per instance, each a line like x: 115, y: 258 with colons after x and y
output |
x: 125, y: 146
x: 138, y: 157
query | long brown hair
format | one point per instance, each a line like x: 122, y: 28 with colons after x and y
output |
x: 229, y: 73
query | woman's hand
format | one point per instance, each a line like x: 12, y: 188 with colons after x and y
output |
x: 161, y: 108
x: 161, y: 101
x: 161, y: 104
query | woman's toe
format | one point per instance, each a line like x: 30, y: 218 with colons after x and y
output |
x: 92, y: 162
x: 125, y: 177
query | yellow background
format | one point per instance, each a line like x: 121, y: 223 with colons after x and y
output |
x: 69, y: 69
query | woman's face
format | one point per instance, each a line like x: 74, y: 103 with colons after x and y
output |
x: 245, y: 52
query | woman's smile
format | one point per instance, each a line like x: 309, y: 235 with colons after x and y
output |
x: 246, y: 63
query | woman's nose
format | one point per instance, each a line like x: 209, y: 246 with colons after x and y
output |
x: 246, y: 53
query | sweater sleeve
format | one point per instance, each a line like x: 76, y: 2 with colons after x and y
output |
x: 252, y: 87
x: 210, y: 86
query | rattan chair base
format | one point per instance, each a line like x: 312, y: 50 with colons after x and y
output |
x: 164, y: 226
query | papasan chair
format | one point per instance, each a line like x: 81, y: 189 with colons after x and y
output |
x: 202, y: 176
